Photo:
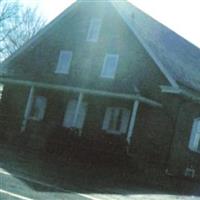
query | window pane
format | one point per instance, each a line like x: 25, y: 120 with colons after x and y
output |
x: 116, y: 120
x: 64, y: 62
x: 107, y: 118
x: 125, y: 120
x: 94, y: 29
x: 69, y: 114
x: 113, y: 119
x: 81, y: 115
x: 110, y: 66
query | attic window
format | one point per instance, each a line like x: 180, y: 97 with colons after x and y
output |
x: 94, y: 29
x: 110, y: 66
x: 64, y: 61
x: 194, y: 143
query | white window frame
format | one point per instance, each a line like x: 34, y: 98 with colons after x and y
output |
x: 105, y: 66
x: 94, y: 29
x: 68, y: 121
x: 41, y: 112
x: 194, y: 141
x: 124, y: 120
x: 63, y: 66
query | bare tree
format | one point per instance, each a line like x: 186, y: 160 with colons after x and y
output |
x: 17, y: 25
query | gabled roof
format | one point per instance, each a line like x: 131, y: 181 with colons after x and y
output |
x: 178, y: 59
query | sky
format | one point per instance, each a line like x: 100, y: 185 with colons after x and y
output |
x: 49, y: 9
x: 182, y: 16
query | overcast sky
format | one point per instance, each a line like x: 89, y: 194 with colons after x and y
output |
x: 182, y: 16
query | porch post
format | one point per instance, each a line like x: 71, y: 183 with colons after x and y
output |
x: 132, y: 121
x: 27, y: 109
x: 80, y: 99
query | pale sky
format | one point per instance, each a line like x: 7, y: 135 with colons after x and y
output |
x: 182, y: 16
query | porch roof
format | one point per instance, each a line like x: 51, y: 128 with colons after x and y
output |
x: 82, y: 90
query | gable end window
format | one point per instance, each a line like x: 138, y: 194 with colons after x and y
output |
x: 38, y: 108
x: 64, y: 62
x: 194, y: 143
x: 94, y: 29
x: 110, y: 66
x: 116, y: 120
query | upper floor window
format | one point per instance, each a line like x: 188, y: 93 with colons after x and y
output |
x: 38, y: 108
x: 194, y: 143
x: 94, y: 29
x: 110, y: 66
x: 64, y: 61
x: 116, y: 120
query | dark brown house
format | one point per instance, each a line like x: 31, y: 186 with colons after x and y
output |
x: 107, y: 73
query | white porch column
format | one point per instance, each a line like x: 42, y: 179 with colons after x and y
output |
x: 28, y: 108
x: 132, y: 121
x: 80, y: 99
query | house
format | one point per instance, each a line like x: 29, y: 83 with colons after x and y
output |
x: 106, y: 72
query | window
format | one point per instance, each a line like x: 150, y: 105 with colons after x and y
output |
x: 110, y: 66
x: 116, y: 120
x: 38, y: 108
x: 70, y: 113
x: 64, y: 62
x: 94, y: 29
x: 194, y: 143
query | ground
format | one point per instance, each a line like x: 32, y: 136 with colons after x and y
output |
x: 28, y: 176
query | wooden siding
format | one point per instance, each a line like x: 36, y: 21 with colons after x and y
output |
x: 181, y: 156
x: 135, y: 67
x: 151, y: 138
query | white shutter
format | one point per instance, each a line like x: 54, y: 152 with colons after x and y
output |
x: 39, y: 108
x: 69, y: 114
x: 195, y: 135
x: 107, y: 117
x: 192, y: 136
x: 81, y: 115
x: 64, y: 62
x: 124, y: 121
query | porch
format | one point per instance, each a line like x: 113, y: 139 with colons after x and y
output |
x: 56, y: 119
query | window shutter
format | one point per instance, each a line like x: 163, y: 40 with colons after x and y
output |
x: 195, y: 135
x: 81, y: 115
x: 107, y: 118
x: 69, y: 114
x: 125, y: 121
x: 39, y: 108
x: 64, y: 62
x: 192, y: 137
